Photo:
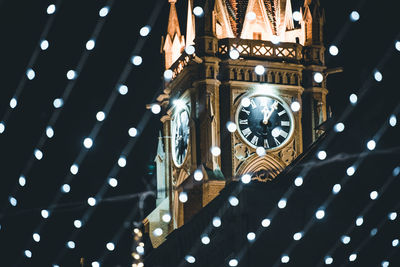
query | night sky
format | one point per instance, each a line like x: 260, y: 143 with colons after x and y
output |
x: 364, y: 46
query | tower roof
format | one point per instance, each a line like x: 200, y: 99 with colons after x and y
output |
x: 237, y: 12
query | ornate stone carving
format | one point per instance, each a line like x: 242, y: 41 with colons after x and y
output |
x: 241, y: 151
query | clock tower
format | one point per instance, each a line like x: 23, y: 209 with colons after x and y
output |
x: 244, y: 94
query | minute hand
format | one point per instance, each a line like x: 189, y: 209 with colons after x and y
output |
x: 268, y: 113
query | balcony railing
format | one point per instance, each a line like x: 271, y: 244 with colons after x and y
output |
x: 261, y: 49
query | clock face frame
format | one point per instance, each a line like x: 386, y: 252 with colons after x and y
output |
x: 266, y: 121
x: 180, y: 132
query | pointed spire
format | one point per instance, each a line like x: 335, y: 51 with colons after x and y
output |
x: 174, y: 42
x: 190, y: 26
x: 173, y: 22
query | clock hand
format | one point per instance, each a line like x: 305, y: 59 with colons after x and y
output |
x: 267, y: 114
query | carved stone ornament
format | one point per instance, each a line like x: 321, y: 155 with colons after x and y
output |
x: 263, y: 168
x: 288, y: 153
x: 241, y: 151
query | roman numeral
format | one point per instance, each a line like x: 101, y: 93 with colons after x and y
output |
x: 284, y: 134
x: 266, y: 145
x: 254, y: 140
x: 277, y: 141
x: 243, y: 121
x: 285, y: 123
x: 246, y: 132
x: 253, y: 104
x: 282, y: 112
x: 246, y: 111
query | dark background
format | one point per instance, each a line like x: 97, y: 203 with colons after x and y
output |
x: 362, y: 44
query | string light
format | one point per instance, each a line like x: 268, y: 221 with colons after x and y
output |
x: 58, y: 102
x: 251, y: 236
x: 44, y: 44
x: 2, y: 127
x: 328, y: 260
x: 373, y: 232
x: 65, y: 188
x: 246, y: 178
x: 122, y: 161
x: 260, y: 151
x: 91, y: 201
x: 245, y: 102
x: 297, y: 236
x: 320, y: 214
x: 45, y: 214
x: 295, y: 106
x: 110, y: 246
x: 100, y: 116
x: 198, y: 175
x: 385, y: 264
x: 392, y: 120
x: 51, y: 9
x: 113, y: 182
x: 155, y: 108
x: 13, y: 201
x: 371, y: 145
x: 353, y: 99
x: 168, y: 74
x: 333, y: 50
x: 13, y: 102
x: 216, y: 222
x: 190, y: 259
x: 78, y: 224
x: 198, y: 11
x: 90, y: 44
x: 49, y: 132
x: 137, y: 60
x: 318, y: 78
x: 296, y: 15
x: 265, y: 223
x: 395, y: 242
x: 345, y: 239
x: 359, y: 221
x: 251, y: 15
x: 298, y: 181
x: 28, y: 253
x: 88, y: 142
x: 234, y: 54
x: 336, y: 189
x: 157, y: 232
x: 205, y: 240
x: 285, y: 258
x: 231, y: 126
x: 215, y: 151
x: 74, y: 169
x: 282, y: 203
x: 183, y: 197
x: 38, y: 154
x: 166, y: 218
x: 104, y: 11
x: 339, y: 127
x: 392, y: 216
x: 351, y: 170
x: 259, y: 69
x: 234, y: 201
x: 275, y: 39
x: 373, y: 195
x: 123, y: 89
x: 30, y: 74
x: 353, y: 257
x: 22, y: 181
x: 71, y: 75
x: 378, y: 76
x: 145, y: 30
x: 233, y: 262
x: 354, y: 16
x: 321, y: 155
x: 190, y: 49
x: 95, y: 264
x: 132, y: 132
x: 397, y: 45
x: 36, y: 237
x: 71, y: 244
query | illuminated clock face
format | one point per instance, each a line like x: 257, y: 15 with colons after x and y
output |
x: 180, y: 131
x: 264, y: 121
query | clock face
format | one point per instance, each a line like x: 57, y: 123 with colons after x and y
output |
x: 180, y: 131
x: 264, y: 121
